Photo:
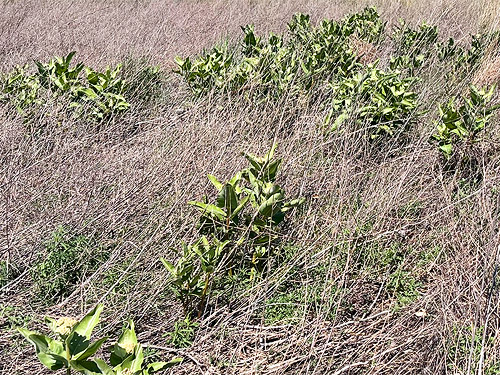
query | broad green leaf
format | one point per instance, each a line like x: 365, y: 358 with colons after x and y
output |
x: 88, y: 92
x: 218, y: 185
x: 340, y: 120
x: 272, y: 170
x: 293, y: 203
x: 76, y: 344
x: 87, y: 367
x: 42, y: 343
x: 235, y: 179
x: 266, y: 208
x: 125, y: 345
x: 52, y: 361
x: 79, y: 338
x: 210, y: 208
x: 447, y: 149
x: 254, y: 160
x: 158, y: 366
x: 133, y: 362
x: 227, y: 199
x: 70, y: 57
x: 91, y: 349
x: 169, y: 266
x: 242, y: 205
x: 104, y: 367
x: 88, y: 323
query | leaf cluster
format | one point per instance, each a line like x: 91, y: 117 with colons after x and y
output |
x: 463, y: 119
x: 415, y: 47
x: 57, y: 274
x: 239, y: 228
x: 91, y: 94
x: 73, y: 349
x: 305, y: 57
x: 383, y: 100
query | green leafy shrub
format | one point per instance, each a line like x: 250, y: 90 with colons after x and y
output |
x: 461, y: 124
x: 183, y: 334
x: 383, y: 100
x: 20, y: 88
x: 240, y: 229
x: 71, y: 258
x: 248, y: 209
x: 58, y: 74
x: 73, y: 350
x: 304, y: 58
x: 413, y: 47
x: 102, y: 94
x: 192, y: 275
x: 365, y: 25
x: 97, y: 95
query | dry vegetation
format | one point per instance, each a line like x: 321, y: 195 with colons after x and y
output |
x: 391, y: 266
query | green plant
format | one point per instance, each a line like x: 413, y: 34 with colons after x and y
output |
x: 413, y: 46
x: 11, y: 317
x: 283, y: 309
x: 462, y: 124
x: 404, y: 287
x: 103, y: 91
x: 57, y: 74
x: 239, y: 229
x: 290, y: 306
x: 72, y: 350
x: 248, y: 209
x: 206, y: 72
x: 192, y: 275
x: 62, y: 269
x: 365, y: 25
x: 127, y: 357
x: 380, y: 99
x: 20, y: 88
x: 305, y: 57
x: 96, y: 96
x: 464, y: 350
x: 183, y: 334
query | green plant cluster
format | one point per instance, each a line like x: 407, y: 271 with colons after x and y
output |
x: 463, y: 119
x: 382, y: 100
x: 73, y: 350
x: 304, y: 58
x: 413, y: 49
x: 92, y: 94
x: 62, y: 269
x: 465, y: 345
x: 324, y: 60
x: 183, y: 334
x: 308, y: 58
x: 241, y: 229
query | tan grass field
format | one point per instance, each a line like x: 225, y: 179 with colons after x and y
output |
x: 126, y: 183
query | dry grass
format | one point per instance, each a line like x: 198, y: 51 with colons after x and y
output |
x: 103, y: 32
x: 129, y: 182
